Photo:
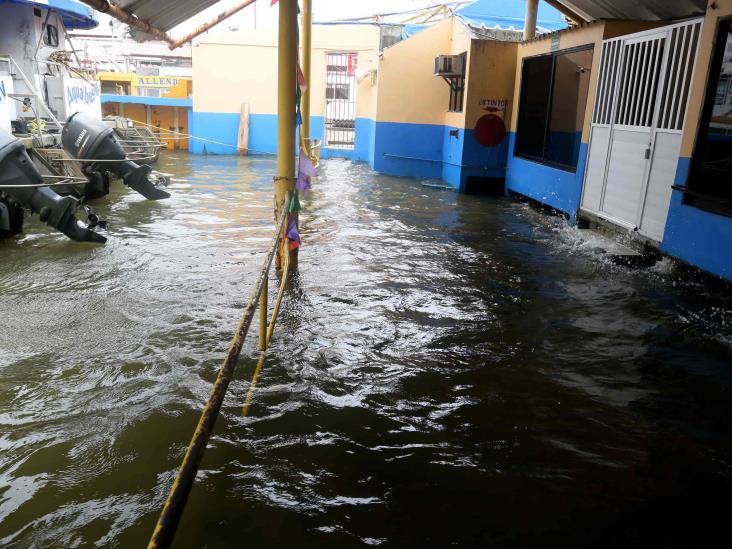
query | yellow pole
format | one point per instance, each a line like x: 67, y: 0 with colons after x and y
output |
x: 307, y: 41
x: 263, y: 318
x: 286, y: 59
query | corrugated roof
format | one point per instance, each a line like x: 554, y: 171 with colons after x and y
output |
x: 646, y: 10
x: 165, y: 14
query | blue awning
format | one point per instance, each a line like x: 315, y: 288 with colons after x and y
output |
x: 75, y: 15
x: 509, y: 15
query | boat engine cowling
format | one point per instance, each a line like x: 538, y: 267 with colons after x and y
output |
x: 87, y: 138
x: 19, y: 178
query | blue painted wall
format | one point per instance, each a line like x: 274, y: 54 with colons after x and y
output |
x: 698, y: 237
x: 221, y: 127
x: 408, y: 149
x: 365, y: 134
x: 428, y: 150
x: 554, y: 187
x: 224, y: 128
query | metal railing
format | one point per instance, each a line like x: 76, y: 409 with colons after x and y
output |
x: 177, y: 497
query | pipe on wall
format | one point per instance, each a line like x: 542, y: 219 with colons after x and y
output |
x: 127, y: 17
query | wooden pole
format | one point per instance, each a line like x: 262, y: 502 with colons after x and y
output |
x: 286, y: 81
x: 242, y: 145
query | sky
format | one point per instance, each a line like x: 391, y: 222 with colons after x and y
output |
x: 323, y: 10
x: 265, y: 15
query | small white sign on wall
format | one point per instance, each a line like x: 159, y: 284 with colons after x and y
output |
x: 82, y: 96
x: 8, y: 111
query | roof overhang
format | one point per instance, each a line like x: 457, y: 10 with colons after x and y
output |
x: 643, y: 10
x: 75, y: 15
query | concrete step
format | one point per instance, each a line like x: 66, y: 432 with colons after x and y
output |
x: 621, y: 254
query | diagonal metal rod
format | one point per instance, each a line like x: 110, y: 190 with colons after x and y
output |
x: 175, y: 504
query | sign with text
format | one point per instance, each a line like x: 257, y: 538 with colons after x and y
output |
x: 82, y: 96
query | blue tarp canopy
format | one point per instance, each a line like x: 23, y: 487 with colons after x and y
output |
x: 75, y: 15
x: 509, y: 15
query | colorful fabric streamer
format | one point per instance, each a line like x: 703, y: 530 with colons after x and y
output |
x: 295, y: 205
x: 301, y: 82
x: 293, y: 235
x: 305, y: 165
x: 302, y: 183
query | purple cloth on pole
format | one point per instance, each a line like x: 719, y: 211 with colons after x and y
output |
x: 306, y: 165
x: 292, y: 232
x: 302, y: 183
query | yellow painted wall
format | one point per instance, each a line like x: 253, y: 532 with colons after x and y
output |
x: 491, y: 76
x: 366, y: 95
x: 236, y: 67
x: 701, y: 73
x: 408, y: 91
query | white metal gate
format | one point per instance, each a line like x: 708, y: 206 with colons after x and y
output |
x: 340, y: 100
x: 637, y: 122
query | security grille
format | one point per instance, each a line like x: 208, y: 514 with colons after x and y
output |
x: 637, y: 122
x: 682, y: 52
x: 340, y: 100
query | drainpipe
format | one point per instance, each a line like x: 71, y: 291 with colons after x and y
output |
x: 286, y: 82
x: 307, y: 41
x: 532, y: 6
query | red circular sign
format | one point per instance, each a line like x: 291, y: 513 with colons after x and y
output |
x: 490, y: 130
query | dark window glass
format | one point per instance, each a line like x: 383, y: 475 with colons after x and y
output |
x: 552, y: 107
x: 711, y: 172
x: 536, y: 81
x: 51, y: 36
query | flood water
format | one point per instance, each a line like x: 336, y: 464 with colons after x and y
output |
x: 447, y: 370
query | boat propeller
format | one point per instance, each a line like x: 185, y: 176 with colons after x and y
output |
x: 20, y: 179
x: 89, y: 139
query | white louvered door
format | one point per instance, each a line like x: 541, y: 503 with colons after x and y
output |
x: 637, y: 121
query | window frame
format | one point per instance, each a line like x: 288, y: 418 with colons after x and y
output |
x: 694, y: 195
x: 522, y: 91
x: 50, y: 36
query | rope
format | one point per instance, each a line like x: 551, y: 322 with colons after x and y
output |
x: 80, y: 160
x: 175, y: 503
x: 187, y: 135
x: 67, y: 181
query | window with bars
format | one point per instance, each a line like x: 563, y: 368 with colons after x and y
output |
x: 710, y: 177
x: 552, y: 107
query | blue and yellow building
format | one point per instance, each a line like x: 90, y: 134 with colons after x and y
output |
x: 413, y: 121
x: 160, y: 101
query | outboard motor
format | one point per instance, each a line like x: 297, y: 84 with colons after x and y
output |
x: 88, y: 138
x: 17, y: 170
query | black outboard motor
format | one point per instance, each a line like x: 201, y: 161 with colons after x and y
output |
x: 86, y: 137
x: 17, y: 170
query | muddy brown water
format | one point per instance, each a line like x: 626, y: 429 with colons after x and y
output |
x: 448, y: 370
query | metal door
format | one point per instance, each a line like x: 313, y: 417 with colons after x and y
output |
x: 637, y: 123
x: 340, y: 100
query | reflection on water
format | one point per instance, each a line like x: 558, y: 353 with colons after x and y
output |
x: 447, y: 369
